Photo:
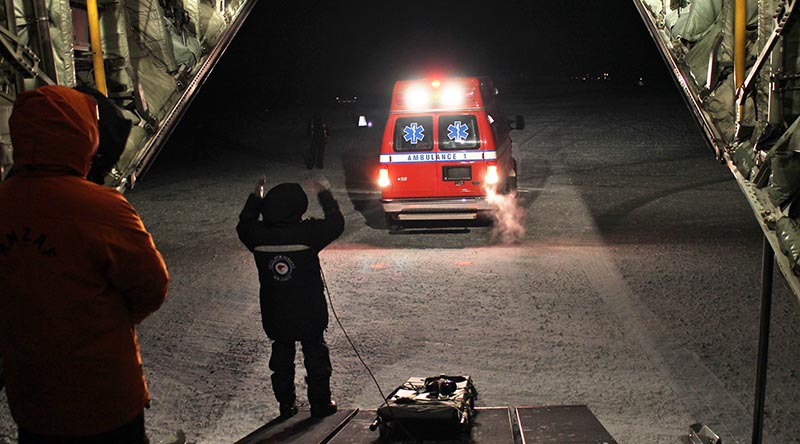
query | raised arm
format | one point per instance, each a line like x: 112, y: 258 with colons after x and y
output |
x: 329, y: 229
x: 248, y: 225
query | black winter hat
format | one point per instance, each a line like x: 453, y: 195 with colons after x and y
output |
x: 284, y: 204
x: 114, y: 131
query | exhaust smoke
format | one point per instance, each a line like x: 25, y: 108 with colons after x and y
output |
x: 508, y: 217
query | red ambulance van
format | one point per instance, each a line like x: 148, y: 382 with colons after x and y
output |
x: 446, y: 145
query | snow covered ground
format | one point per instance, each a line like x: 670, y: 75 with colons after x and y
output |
x: 634, y: 288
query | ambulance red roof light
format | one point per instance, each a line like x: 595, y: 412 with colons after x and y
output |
x: 450, y: 93
x: 452, y: 96
x: 417, y: 98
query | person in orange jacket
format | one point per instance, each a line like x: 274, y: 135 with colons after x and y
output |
x: 78, y: 271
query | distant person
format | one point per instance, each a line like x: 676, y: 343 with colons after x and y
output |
x: 78, y: 272
x: 318, y: 130
x: 292, y: 295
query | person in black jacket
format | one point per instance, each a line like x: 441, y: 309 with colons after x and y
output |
x: 318, y: 130
x: 293, y: 306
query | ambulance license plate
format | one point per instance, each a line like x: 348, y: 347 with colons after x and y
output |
x: 454, y: 173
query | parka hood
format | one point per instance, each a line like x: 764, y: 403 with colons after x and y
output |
x: 284, y: 204
x: 54, y: 127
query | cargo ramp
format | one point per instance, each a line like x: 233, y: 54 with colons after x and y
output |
x: 568, y: 424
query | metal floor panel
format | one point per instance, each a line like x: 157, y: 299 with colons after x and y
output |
x: 299, y: 429
x: 490, y: 426
x: 568, y: 424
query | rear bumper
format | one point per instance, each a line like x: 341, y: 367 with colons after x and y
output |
x: 440, y: 209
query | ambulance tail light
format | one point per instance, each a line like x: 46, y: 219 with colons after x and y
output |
x: 491, y: 175
x: 383, y: 178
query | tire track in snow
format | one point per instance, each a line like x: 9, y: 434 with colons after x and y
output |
x: 698, y: 389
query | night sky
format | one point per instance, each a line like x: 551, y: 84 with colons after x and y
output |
x: 289, y: 51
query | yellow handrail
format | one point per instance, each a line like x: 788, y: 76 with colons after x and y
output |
x: 739, y: 56
x: 740, y: 30
x: 97, y: 47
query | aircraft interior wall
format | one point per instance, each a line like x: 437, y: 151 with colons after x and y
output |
x: 156, y: 54
x: 749, y: 121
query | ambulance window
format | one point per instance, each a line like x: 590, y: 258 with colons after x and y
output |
x: 413, y: 134
x: 458, y: 132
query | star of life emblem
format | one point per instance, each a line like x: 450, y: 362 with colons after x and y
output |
x: 458, y: 131
x: 413, y: 133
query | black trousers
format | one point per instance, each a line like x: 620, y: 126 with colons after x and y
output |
x: 316, y: 157
x: 130, y: 433
x: 317, y: 361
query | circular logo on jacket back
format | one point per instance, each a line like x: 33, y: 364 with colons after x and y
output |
x: 281, y: 267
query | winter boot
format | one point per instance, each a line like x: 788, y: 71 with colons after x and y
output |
x: 287, y: 410
x: 285, y: 395
x: 319, y: 396
x: 323, y: 410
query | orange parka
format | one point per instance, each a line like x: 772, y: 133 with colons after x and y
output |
x: 77, y: 271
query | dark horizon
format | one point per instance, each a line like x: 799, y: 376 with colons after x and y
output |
x: 290, y: 52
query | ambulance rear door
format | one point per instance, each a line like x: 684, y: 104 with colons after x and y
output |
x: 460, y: 161
x: 413, y: 161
